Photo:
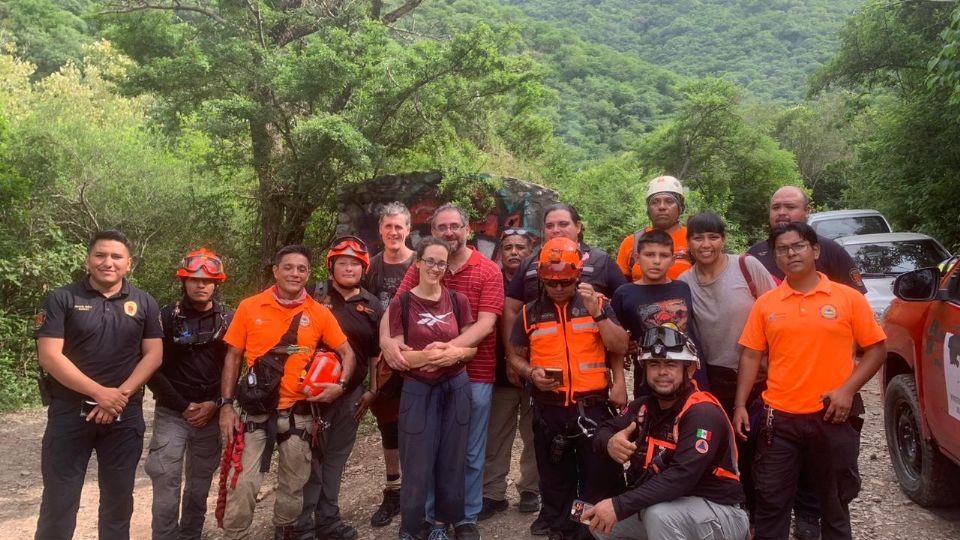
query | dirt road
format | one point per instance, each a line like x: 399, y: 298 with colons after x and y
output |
x: 881, y: 511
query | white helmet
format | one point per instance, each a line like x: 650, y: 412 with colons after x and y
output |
x: 668, y: 343
x: 665, y: 184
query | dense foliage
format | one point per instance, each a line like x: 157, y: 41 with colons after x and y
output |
x: 233, y: 124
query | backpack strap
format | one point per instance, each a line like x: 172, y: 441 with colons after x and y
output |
x: 636, y: 250
x: 404, y: 314
x: 455, y: 304
x: 747, y: 276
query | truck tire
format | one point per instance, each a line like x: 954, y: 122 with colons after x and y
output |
x: 926, y: 476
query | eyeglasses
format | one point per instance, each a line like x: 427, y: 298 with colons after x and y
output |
x: 452, y: 227
x: 193, y: 263
x: 561, y: 283
x: 797, y: 248
x: 668, y: 337
x: 350, y: 242
x: 431, y: 263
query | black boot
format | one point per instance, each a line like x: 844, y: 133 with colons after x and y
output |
x: 388, y: 508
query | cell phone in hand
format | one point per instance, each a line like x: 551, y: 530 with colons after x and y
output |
x: 577, y: 510
x: 554, y: 374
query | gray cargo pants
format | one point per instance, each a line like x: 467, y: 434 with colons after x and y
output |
x: 683, y: 519
x: 179, y: 450
x: 321, y: 494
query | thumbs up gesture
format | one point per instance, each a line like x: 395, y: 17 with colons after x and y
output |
x: 619, y: 446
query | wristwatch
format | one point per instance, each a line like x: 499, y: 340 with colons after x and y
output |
x: 343, y: 384
x: 602, y: 316
x: 221, y: 401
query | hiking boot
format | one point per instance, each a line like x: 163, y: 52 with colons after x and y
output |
x: 341, y: 532
x: 491, y: 507
x: 540, y: 527
x: 467, y: 531
x: 806, y: 528
x: 388, y: 508
x: 529, y: 502
x: 423, y: 534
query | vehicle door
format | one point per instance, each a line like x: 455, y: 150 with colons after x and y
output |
x: 941, y: 367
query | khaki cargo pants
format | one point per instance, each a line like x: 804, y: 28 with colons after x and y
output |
x: 293, y: 471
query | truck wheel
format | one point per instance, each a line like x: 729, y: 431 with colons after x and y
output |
x: 925, y: 474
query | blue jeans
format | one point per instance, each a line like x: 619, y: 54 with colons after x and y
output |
x: 434, y: 424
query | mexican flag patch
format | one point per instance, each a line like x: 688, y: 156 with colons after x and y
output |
x: 704, y: 434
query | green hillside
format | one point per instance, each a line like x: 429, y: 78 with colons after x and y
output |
x: 769, y: 47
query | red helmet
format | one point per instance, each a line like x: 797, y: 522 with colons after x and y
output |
x: 324, y: 367
x: 560, y: 259
x: 350, y: 246
x: 202, y: 264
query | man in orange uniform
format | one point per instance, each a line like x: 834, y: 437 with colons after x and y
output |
x: 808, y: 327
x: 665, y: 204
x: 560, y: 343
x: 276, y: 332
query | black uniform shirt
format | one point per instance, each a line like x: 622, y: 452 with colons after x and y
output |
x: 101, y: 336
x: 598, y: 270
x: 359, y: 318
x: 705, y: 441
x: 834, y: 261
x: 193, y: 353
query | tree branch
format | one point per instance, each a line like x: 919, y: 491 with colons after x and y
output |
x: 130, y: 6
x: 401, y: 12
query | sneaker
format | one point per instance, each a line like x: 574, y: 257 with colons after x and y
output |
x: 439, y: 533
x: 540, y: 527
x: 388, y: 508
x: 467, y: 531
x: 529, y: 502
x: 491, y: 507
x: 806, y: 528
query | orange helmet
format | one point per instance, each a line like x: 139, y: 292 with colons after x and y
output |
x: 202, y: 264
x: 350, y: 246
x: 560, y: 259
x: 324, y: 368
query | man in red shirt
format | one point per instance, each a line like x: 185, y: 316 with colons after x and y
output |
x: 478, y: 278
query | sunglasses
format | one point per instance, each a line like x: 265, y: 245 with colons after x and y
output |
x: 350, y: 242
x: 514, y: 232
x: 554, y: 283
x: 668, y: 337
x: 212, y: 266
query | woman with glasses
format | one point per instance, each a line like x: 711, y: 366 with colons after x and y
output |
x: 436, y: 399
x: 560, y: 342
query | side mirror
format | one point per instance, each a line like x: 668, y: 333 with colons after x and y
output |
x: 918, y: 286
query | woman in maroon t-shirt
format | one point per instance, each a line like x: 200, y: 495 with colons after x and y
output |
x: 435, y: 403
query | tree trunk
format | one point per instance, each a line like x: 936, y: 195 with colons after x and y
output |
x: 264, y: 146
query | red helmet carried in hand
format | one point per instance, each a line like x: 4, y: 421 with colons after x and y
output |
x: 323, y: 368
x: 202, y: 264
x: 350, y: 246
x: 560, y: 259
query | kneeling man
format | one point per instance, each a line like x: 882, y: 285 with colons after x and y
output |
x: 683, y: 474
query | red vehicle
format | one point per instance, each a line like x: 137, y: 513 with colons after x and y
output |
x: 921, y: 383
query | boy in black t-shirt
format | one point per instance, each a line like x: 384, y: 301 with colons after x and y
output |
x: 655, y: 300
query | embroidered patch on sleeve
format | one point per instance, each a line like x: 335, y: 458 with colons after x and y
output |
x: 704, y: 434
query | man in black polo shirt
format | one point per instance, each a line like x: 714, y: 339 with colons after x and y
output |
x: 790, y: 204
x: 358, y: 313
x: 99, y: 340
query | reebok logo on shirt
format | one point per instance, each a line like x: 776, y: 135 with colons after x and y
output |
x: 430, y: 320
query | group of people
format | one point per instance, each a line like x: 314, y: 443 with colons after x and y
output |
x: 744, y: 402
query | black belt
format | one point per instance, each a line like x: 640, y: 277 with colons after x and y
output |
x: 587, y: 399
